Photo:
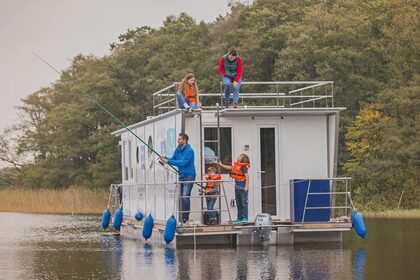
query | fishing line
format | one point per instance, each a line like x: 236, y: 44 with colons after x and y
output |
x: 103, y: 108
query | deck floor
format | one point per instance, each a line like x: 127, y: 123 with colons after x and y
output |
x: 235, y: 227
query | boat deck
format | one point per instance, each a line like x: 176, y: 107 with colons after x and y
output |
x: 232, y: 235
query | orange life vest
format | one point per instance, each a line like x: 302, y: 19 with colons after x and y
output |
x: 210, y: 185
x: 237, y: 173
x: 190, y: 97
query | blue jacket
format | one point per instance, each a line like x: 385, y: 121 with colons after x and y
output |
x: 183, y: 158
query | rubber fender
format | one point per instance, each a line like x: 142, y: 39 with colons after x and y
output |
x: 106, y: 216
x: 170, y: 229
x: 148, y: 227
x: 118, y: 216
x: 139, y: 216
x: 359, y: 224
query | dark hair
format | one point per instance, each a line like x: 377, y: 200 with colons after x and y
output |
x: 184, y: 136
x: 232, y: 51
x: 244, y: 158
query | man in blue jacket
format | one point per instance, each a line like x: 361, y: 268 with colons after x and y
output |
x: 183, y: 158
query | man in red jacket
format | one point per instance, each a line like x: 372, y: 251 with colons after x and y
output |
x: 230, y: 67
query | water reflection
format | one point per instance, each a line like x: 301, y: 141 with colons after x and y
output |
x: 148, y: 254
x: 242, y: 263
x: 321, y: 262
x: 210, y: 265
x: 65, y: 247
x: 170, y: 262
x: 359, y: 263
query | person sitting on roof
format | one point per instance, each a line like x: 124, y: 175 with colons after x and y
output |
x: 187, y: 94
x: 211, y: 190
x: 230, y: 67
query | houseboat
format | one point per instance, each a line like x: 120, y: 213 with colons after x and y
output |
x: 289, y: 130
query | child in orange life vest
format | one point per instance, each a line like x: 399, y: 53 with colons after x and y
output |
x: 239, y: 172
x: 187, y: 94
x: 212, y: 189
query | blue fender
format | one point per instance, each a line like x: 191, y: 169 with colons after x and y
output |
x: 148, y: 227
x: 118, y: 216
x: 170, y: 229
x: 139, y: 216
x: 359, y: 224
x: 106, y: 216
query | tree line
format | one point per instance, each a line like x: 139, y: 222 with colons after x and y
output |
x: 369, y: 48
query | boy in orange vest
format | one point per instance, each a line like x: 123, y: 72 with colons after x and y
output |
x: 212, y: 189
x: 239, y: 172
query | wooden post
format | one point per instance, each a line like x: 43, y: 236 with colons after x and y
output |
x: 399, y: 202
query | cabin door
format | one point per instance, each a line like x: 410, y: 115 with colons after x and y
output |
x: 267, y: 168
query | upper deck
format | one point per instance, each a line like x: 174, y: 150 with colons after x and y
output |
x: 255, y: 99
x: 257, y: 96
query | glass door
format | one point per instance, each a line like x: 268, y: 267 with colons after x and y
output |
x: 268, y: 170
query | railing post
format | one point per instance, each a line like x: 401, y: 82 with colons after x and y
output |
x: 227, y: 205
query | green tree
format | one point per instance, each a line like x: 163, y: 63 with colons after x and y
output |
x: 383, y: 142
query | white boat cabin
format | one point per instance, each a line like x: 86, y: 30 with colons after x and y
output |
x: 289, y: 130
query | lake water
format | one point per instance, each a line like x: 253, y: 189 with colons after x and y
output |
x: 65, y: 247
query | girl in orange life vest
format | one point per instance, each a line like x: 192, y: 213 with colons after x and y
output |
x: 187, y: 94
x: 211, y: 189
x: 239, y: 172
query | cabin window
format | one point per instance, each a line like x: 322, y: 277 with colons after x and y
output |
x: 211, y: 153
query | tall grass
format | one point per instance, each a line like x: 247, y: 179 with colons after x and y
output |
x: 393, y: 213
x: 74, y: 200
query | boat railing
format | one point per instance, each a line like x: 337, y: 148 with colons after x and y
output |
x: 202, y: 196
x: 340, y: 203
x: 117, y: 196
x: 253, y: 94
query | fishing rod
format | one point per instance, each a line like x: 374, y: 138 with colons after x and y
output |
x: 104, y: 109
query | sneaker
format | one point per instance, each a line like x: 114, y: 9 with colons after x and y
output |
x: 186, y: 106
x: 213, y: 221
x: 235, y: 105
x: 244, y: 220
x: 237, y: 221
x: 227, y: 105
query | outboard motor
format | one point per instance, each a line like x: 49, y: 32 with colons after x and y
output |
x: 263, y: 223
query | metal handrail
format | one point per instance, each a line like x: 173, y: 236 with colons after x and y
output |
x: 164, y: 101
x: 177, y: 197
x: 203, y: 210
x: 347, y: 193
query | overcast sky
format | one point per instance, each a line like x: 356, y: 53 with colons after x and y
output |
x: 57, y: 30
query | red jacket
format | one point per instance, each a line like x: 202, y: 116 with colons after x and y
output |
x: 238, y: 65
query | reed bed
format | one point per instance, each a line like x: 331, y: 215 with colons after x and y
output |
x: 394, y: 213
x: 74, y: 200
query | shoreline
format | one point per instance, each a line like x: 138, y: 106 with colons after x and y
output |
x: 71, y: 201
x: 392, y: 214
x: 82, y: 201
